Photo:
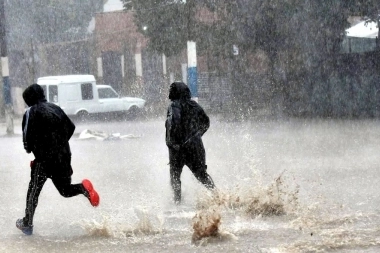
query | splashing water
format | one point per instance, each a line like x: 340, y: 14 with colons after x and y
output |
x: 98, y: 229
x: 147, y: 224
x: 254, y: 200
x: 206, y: 224
x: 273, y: 200
x: 308, y: 229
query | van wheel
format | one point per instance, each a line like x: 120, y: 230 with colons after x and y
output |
x: 133, y: 113
x: 83, y: 116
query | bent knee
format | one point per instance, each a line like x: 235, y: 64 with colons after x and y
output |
x: 64, y: 193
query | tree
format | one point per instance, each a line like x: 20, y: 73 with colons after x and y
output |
x: 300, y: 38
x: 364, y: 8
x: 248, y: 25
x: 62, y: 20
x: 168, y: 24
x: 266, y: 26
x: 368, y: 9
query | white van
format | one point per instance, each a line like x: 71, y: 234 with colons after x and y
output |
x: 79, y: 95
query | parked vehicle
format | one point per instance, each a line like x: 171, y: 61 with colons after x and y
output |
x: 79, y: 95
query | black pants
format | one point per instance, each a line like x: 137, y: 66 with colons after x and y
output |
x: 40, y: 172
x: 193, y: 155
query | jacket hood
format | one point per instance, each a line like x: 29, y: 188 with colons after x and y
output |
x: 33, y: 94
x: 179, y: 90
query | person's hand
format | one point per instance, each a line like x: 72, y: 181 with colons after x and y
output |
x: 26, y: 148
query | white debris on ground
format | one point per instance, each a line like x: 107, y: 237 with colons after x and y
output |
x: 103, y: 136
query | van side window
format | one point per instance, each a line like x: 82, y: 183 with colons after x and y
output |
x: 53, y: 93
x: 87, y: 93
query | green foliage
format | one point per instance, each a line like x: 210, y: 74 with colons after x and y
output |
x: 167, y: 24
x: 368, y: 9
x: 364, y: 8
x: 271, y: 26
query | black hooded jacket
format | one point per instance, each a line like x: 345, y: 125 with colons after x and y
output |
x: 185, y: 117
x: 46, y: 128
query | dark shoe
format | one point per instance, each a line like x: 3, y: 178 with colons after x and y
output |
x: 92, y: 195
x: 28, y: 230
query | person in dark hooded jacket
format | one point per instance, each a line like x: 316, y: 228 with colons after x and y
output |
x: 46, y: 133
x: 185, y: 125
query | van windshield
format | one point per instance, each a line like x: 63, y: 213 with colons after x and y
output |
x: 107, y: 93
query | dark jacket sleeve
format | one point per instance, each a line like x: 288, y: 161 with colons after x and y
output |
x: 27, y: 130
x: 204, y: 122
x: 173, y: 125
x: 69, y: 127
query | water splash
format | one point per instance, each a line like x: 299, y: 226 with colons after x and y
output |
x: 252, y: 200
x: 206, y: 226
x: 278, y: 198
x: 147, y: 224
x: 98, y: 229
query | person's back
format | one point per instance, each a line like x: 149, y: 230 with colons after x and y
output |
x: 50, y: 131
x: 185, y: 124
x: 186, y: 118
x: 194, y: 119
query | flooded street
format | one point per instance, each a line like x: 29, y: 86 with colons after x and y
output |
x: 283, y: 186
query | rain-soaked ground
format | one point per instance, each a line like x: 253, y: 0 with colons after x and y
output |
x: 283, y: 186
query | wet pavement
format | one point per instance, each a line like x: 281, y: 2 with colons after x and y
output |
x: 284, y: 186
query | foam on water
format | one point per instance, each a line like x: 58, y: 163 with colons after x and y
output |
x: 98, y: 229
x: 147, y: 224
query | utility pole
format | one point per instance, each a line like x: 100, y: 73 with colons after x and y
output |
x: 378, y: 32
x: 5, y: 71
x: 33, y: 62
x: 192, y: 72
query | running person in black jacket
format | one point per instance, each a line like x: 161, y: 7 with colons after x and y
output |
x: 46, y: 133
x: 185, y: 124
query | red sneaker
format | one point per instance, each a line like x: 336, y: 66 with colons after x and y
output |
x: 93, y: 196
